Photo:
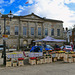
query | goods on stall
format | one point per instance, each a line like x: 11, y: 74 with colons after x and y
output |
x: 20, y: 61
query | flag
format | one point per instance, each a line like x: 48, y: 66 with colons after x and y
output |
x: 26, y: 2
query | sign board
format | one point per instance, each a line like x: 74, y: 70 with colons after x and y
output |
x: 5, y: 36
x: 15, y: 55
x: 37, y: 54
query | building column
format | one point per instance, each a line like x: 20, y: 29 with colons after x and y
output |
x: 28, y: 29
x: 42, y: 30
x: 35, y: 29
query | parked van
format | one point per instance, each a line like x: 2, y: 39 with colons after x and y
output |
x: 1, y: 47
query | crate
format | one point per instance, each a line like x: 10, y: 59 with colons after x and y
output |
x: 8, y: 64
x: 58, y: 57
x: 54, y: 59
x: 32, y: 62
x: 73, y: 59
x: 38, y: 61
x: 70, y: 55
x: 62, y: 55
x: 57, y: 54
x: 66, y: 55
x: 70, y: 60
x: 61, y: 58
x: 14, y: 64
x: 44, y: 60
x: 50, y: 60
x: 41, y: 61
x: 20, y: 63
x: 65, y: 59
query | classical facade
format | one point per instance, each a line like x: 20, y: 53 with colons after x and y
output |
x: 22, y: 30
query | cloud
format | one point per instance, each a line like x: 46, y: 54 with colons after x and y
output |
x: 11, y: 1
x: 2, y: 10
x: 1, y: 1
x: 52, y: 9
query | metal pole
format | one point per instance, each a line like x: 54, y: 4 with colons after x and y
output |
x: 4, y: 43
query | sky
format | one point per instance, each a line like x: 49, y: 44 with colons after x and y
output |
x: 52, y: 9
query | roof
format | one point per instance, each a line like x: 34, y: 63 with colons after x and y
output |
x: 52, y: 20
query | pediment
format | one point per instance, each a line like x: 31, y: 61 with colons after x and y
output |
x: 32, y: 16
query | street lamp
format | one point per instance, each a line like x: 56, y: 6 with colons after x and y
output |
x: 10, y: 15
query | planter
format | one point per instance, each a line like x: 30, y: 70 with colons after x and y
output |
x: 70, y: 59
x: 8, y: 64
x: 20, y: 63
x: 54, y: 59
x: 32, y: 62
x: 14, y: 64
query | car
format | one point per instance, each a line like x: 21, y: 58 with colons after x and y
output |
x: 67, y: 48
x: 48, y: 47
x: 57, y: 47
x: 1, y: 47
x: 36, y: 49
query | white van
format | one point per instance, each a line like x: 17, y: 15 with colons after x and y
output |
x: 1, y: 47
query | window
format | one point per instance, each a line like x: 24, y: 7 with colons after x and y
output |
x: 74, y: 38
x: 58, y: 32
x: 39, y: 30
x: 8, y: 30
x: 74, y: 33
x: 46, y: 31
x: 24, y: 30
x: 52, y: 32
x: 16, y: 30
x: 0, y: 29
x: 32, y: 30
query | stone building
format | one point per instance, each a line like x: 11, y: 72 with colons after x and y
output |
x: 22, y: 30
x: 72, y: 37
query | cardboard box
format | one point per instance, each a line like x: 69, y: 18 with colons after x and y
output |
x: 20, y: 63
x: 8, y: 64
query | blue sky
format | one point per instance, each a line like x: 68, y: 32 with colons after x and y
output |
x: 52, y: 9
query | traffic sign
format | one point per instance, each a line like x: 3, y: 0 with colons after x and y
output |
x: 5, y: 36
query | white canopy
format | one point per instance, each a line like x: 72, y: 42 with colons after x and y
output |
x: 48, y: 38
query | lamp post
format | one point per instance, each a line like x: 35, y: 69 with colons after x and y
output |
x: 10, y: 15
